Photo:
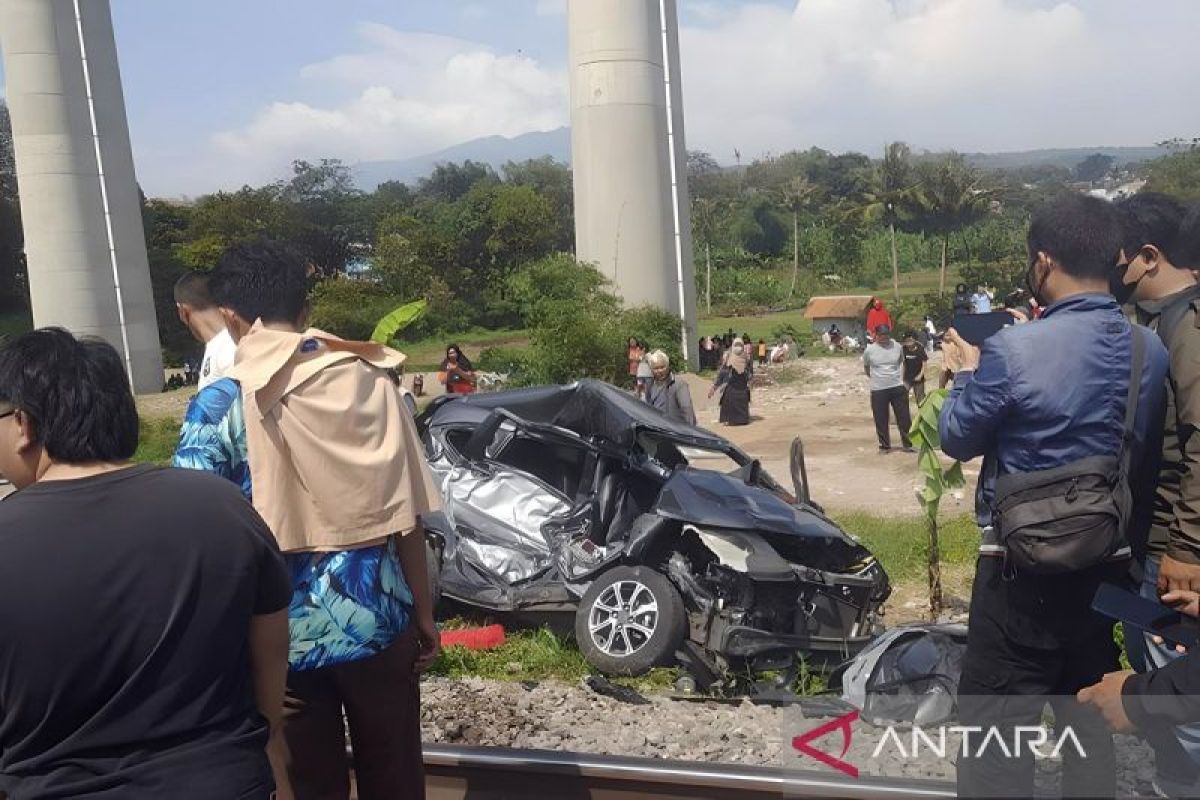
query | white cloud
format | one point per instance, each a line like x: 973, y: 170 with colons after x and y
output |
x: 763, y: 77
x: 406, y: 94
x: 971, y: 74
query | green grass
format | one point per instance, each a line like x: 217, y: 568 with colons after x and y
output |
x: 913, y: 283
x: 157, y: 438
x: 533, y: 655
x: 758, y: 326
x: 426, y: 355
x: 900, y: 542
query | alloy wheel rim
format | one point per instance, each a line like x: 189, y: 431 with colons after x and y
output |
x: 623, y: 619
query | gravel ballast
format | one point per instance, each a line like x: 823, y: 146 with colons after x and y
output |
x: 557, y: 716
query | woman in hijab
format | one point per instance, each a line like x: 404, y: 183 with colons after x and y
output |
x: 736, y: 371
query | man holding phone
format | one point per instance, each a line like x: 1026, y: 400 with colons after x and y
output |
x: 1036, y: 398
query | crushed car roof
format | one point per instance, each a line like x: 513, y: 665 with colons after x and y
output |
x: 588, y: 408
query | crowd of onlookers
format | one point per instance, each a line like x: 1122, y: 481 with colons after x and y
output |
x: 217, y: 630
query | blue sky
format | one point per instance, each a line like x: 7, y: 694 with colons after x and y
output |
x: 222, y: 93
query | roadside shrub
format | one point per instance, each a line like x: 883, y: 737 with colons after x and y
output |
x: 512, y: 361
x: 909, y: 312
x: 659, y: 329
x: 350, y: 308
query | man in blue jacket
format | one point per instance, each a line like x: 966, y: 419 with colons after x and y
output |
x: 1039, y: 396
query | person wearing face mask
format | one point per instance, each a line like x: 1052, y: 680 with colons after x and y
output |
x: 734, y: 376
x: 1053, y: 395
x: 1154, y: 272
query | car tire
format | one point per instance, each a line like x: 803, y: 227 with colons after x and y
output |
x: 433, y: 565
x: 630, y: 620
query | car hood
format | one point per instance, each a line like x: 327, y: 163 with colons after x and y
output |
x: 712, y: 499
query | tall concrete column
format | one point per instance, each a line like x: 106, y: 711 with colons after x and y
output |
x: 84, y: 241
x: 631, y: 212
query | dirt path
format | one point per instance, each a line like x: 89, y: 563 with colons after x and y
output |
x: 824, y: 401
x: 827, y: 405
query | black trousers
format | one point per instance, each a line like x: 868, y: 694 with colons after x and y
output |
x: 380, y: 698
x: 897, y: 399
x: 1015, y: 666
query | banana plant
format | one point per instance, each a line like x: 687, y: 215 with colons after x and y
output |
x: 937, y: 480
x: 398, y: 320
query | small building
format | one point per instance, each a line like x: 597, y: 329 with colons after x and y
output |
x: 848, y: 312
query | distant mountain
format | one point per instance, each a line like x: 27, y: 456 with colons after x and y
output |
x: 1066, y: 157
x: 494, y: 150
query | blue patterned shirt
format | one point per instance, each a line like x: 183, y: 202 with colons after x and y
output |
x: 346, y: 605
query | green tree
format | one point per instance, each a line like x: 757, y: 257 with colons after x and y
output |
x: 328, y: 211
x: 757, y: 230
x: 797, y: 196
x: 13, y: 289
x: 8, y: 161
x: 521, y: 227
x: 1094, y: 167
x: 951, y: 196
x: 450, y: 181
x: 892, y: 196
x: 706, y: 221
x: 1177, y: 174
x: 552, y: 180
x: 397, y: 262
x: 224, y: 218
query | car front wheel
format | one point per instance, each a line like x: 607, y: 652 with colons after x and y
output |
x: 630, y: 620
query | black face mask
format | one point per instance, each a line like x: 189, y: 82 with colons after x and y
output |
x: 1035, y: 287
x: 1119, y: 288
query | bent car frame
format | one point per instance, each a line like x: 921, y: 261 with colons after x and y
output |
x: 666, y: 541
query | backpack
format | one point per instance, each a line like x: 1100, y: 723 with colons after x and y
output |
x: 1075, y: 516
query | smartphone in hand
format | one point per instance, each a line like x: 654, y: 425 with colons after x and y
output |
x: 976, y: 328
x: 1150, y: 616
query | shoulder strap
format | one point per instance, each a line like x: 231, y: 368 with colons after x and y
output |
x: 1135, y: 389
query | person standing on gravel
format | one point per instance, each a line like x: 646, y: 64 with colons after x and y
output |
x: 915, y: 358
x: 314, y: 431
x: 883, y: 361
x: 1157, y: 253
x: 1053, y: 396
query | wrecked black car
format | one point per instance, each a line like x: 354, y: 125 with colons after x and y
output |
x: 666, y: 541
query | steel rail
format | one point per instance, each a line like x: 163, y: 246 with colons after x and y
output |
x: 499, y: 773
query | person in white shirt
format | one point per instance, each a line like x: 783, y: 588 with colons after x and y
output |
x: 200, y: 315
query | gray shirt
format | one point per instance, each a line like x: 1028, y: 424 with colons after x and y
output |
x: 673, y: 398
x: 883, y: 365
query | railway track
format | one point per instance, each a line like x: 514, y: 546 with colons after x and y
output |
x: 498, y: 773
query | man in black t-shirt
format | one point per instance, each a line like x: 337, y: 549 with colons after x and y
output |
x: 914, y: 366
x: 143, y: 643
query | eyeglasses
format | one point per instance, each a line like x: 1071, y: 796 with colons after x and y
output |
x: 8, y: 413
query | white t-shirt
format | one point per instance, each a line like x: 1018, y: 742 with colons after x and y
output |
x: 218, y: 359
